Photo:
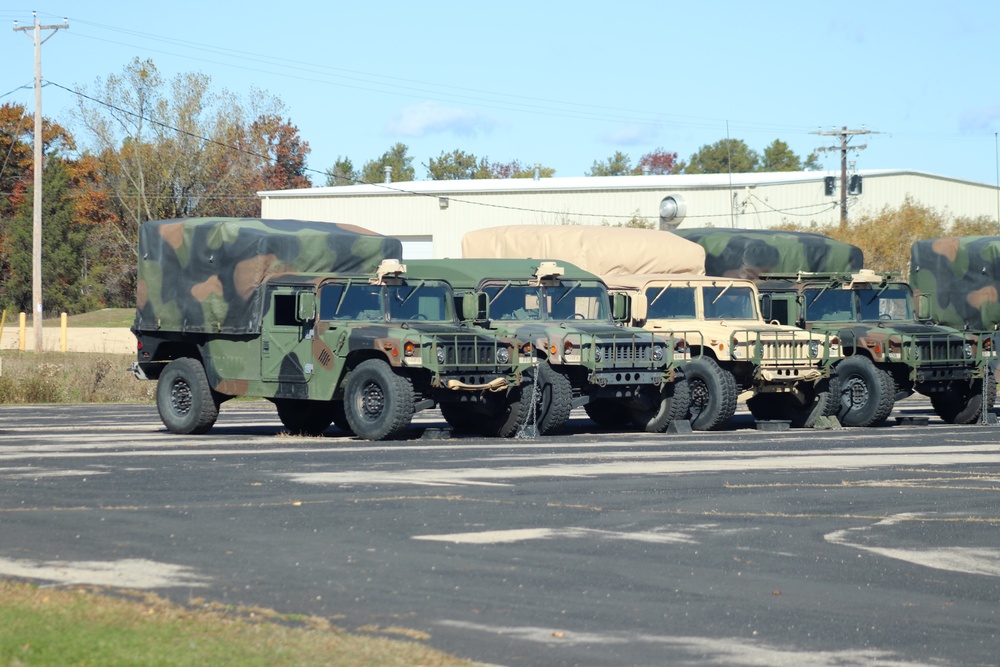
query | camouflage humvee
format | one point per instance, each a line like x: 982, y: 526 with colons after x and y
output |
x: 782, y: 372
x: 320, y: 319
x: 791, y: 384
x: 744, y: 253
x: 889, y: 353
x: 958, y: 280
x: 560, y: 317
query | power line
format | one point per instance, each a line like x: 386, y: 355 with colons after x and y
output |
x: 385, y: 186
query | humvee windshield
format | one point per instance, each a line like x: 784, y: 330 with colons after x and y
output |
x: 671, y: 303
x: 420, y: 300
x: 893, y: 302
x: 729, y: 303
x: 570, y: 300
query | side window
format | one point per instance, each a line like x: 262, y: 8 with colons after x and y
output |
x: 779, y: 310
x: 284, y: 310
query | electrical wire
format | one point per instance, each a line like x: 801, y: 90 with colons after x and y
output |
x: 385, y: 186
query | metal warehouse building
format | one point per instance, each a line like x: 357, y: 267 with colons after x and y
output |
x: 430, y: 217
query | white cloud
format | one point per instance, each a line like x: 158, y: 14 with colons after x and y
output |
x: 633, y: 135
x: 431, y: 118
x: 981, y: 119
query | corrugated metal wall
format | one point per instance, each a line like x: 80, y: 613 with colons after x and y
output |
x: 444, y: 213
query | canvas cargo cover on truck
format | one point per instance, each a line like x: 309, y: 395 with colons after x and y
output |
x: 601, y: 250
x: 201, y: 274
x: 746, y: 253
x: 961, y: 277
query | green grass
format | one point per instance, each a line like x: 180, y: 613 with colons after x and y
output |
x: 83, y: 626
x: 106, y: 318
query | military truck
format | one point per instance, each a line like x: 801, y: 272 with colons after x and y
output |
x: 888, y: 352
x: 560, y: 316
x: 318, y: 318
x: 957, y: 281
x: 782, y: 372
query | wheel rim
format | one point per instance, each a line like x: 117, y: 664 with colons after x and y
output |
x: 855, y: 394
x: 180, y: 397
x: 372, y: 401
x: 699, y: 395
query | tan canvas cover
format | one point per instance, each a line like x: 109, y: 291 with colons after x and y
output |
x: 637, y: 281
x: 601, y: 250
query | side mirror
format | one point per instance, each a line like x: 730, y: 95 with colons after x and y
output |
x: 305, y: 306
x: 766, y: 307
x: 621, y: 305
x: 476, y: 306
x: 924, y: 306
x: 640, y: 307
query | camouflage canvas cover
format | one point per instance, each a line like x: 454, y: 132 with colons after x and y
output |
x: 602, y: 250
x: 201, y: 275
x: 745, y: 253
x: 961, y: 276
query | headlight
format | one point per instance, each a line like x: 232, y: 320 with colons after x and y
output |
x: 598, y: 354
x: 503, y: 355
x: 916, y: 352
x: 968, y: 350
x: 441, y: 355
x: 657, y: 353
x: 814, y: 348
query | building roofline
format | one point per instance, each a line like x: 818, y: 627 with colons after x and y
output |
x: 678, y: 182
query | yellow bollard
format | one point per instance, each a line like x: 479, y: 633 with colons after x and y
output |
x: 62, y: 326
x: 20, y: 342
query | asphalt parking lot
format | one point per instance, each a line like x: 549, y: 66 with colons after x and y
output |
x: 740, y: 547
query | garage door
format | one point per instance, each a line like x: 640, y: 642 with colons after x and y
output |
x: 417, y: 247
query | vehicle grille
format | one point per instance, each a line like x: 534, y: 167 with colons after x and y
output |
x: 936, y: 350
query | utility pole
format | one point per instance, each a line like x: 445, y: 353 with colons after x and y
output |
x: 845, y: 137
x: 35, y: 35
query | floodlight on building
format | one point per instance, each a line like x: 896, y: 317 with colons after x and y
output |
x: 673, y: 208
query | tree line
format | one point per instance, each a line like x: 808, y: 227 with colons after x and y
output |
x: 154, y: 148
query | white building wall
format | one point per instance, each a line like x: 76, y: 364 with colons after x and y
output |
x: 418, y: 213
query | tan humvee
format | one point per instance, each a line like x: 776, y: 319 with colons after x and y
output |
x: 782, y: 372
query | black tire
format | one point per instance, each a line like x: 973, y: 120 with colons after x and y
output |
x: 184, y: 399
x: 607, y: 413
x: 866, y: 394
x: 554, y: 396
x: 821, y: 401
x: 965, y: 407
x: 713, y: 394
x: 378, y: 401
x: 461, y: 416
x: 670, y: 402
x: 302, y: 417
x: 509, y: 415
x: 339, y: 417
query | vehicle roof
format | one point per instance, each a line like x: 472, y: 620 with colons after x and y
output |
x: 640, y: 280
x: 468, y: 273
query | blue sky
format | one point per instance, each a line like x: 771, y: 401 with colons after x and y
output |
x: 561, y: 83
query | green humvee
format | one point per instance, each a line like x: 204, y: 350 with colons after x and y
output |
x: 560, y: 317
x: 817, y: 283
x: 320, y: 319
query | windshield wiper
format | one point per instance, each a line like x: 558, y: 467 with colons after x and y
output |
x: 566, y: 293
x: 659, y: 294
x: 500, y: 291
x: 343, y: 295
x: 412, y: 292
x: 719, y: 296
